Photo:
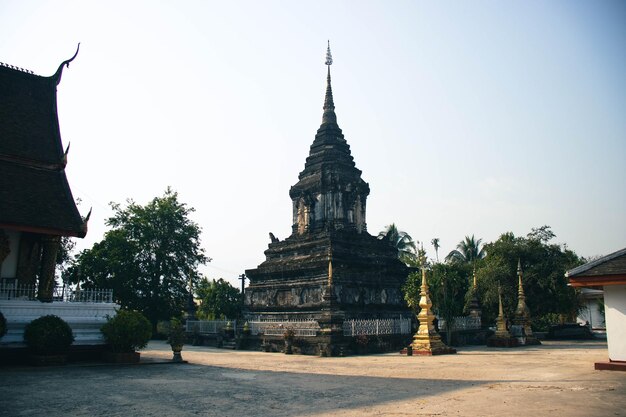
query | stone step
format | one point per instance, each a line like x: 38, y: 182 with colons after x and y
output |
x: 229, y: 345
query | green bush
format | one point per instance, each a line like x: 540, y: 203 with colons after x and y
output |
x: 176, y: 334
x: 543, y: 323
x: 162, y: 330
x: 3, y: 325
x: 48, y: 335
x: 127, y: 331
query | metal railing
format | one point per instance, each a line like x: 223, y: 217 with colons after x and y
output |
x: 68, y: 295
x: 376, y: 327
x: 461, y: 323
x: 301, y: 328
x: 208, y: 326
x: 65, y: 294
x: 14, y: 291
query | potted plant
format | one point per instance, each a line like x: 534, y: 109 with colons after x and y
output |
x: 125, y: 333
x: 176, y: 339
x: 48, y: 338
x: 3, y: 325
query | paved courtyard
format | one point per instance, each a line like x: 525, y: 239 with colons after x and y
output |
x: 555, y: 379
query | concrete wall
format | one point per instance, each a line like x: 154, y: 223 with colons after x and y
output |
x: 85, y: 319
x: 615, y: 316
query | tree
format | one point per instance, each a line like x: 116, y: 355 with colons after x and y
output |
x: 467, y: 251
x: 64, y: 256
x: 435, y: 243
x: 401, y: 241
x: 218, y: 300
x: 147, y: 258
x: 543, y: 266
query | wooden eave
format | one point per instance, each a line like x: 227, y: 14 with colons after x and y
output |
x: 597, y: 280
x: 43, y: 230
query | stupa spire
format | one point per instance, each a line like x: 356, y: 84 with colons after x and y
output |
x: 522, y: 314
x: 522, y: 311
x: 329, y: 105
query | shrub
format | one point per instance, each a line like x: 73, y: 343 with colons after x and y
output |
x: 176, y: 335
x: 127, y: 331
x: 3, y: 325
x: 543, y: 323
x: 162, y: 330
x: 48, y: 335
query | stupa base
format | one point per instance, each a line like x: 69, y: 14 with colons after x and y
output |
x: 505, y: 342
x: 428, y: 352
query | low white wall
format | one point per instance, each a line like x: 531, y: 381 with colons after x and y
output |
x: 85, y: 319
x: 615, y: 317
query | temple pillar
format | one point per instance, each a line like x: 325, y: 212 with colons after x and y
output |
x: 29, y: 258
x: 50, y: 246
x: 330, y: 321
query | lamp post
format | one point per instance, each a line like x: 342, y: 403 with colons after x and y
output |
x: 242, y: 277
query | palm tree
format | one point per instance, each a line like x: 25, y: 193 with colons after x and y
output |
x: 400, y: 240
x: 435, y: 243
x: 467, y: 251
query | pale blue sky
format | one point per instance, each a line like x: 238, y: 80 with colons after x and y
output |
x: 465, y: 117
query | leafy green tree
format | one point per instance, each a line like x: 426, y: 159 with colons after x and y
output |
x: 401, y: 241
x: 543, y: 265
x: 147, y: 258
x: 467, y: 251
x: 218, y: 300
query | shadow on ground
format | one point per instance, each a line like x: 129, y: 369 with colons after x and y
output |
x: 187, y: 390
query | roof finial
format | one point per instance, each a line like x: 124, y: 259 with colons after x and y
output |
x: 329, y: 57
x: 57, y: 75
x: 329, y: 106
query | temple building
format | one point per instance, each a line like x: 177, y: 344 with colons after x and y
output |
x: 608, y: 273
x: 36, y: 204
x: 330, y: 268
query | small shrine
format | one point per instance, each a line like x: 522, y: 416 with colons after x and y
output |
x: 521, y: 322
x: 330, y: 269
x: 502, y: 337
x: 474, y: 309
x: 427, y: 340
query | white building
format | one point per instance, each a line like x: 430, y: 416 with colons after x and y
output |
x: 608, y: 273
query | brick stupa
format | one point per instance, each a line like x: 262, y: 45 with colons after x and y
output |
x: 328, y: 225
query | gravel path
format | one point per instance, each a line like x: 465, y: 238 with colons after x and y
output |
x: 555, y: 379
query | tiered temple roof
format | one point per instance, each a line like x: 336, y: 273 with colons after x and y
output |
x: 34, y: 193
x: 329, y: 223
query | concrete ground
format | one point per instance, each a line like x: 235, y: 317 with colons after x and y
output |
x: 555, y: 379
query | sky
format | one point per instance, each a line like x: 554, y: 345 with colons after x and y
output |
x: 466, y: 118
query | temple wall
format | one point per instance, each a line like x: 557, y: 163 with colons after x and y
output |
x: 615, y: 316
x: 308, y: 297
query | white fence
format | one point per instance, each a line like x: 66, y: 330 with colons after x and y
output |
x: 208, y: 326
x: 65, y: 294
x: 461, y: 323
x: 301, y: 328
x: 376, y: 327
